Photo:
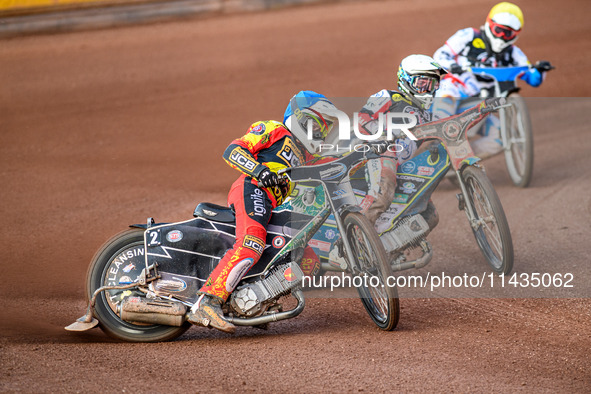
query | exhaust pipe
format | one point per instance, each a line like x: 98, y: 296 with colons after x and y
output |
x: 142, y: 310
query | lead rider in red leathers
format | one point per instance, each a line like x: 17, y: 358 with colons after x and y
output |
x: 267, y: 147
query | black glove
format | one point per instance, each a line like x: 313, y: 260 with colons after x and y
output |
x: 267, y: 178
x: 543, y: 65
x: 455, y: 68
x: 380, y: 147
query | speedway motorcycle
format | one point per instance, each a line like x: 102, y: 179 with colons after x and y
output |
x: 403, y: 228
x: 142, y: 282
x: 515, y: 123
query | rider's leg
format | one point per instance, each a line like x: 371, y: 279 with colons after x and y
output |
x: 447, y: 98
x: 489, y: 144
x: 382, y: 187
x: 253, y: 211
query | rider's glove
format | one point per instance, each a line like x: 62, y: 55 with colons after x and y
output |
x: 455, y: 68
x: 543, y: 65
x: 380, y: 147
x: 267, y: 178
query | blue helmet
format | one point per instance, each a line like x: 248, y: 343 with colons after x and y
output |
x: 314, y: 115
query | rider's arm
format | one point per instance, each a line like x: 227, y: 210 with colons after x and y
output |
x: 241, y: 153
x: 377, y: 104
x: 532, y: 76
x: 450, y: 52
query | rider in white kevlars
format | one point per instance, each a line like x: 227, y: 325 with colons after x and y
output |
x: 489, y: 46
x: 418, y: 79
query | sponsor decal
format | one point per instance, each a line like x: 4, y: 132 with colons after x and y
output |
x: 426, y: 171
x: 461, y: 152
x: 411, y: 178
x: 258, y: 201
x: 408, y: 167
x: 330, y: 234
x: 253, y: 243
x: 258, y: 129
x: 134, y: 300
x: 401, y: 198
x: 478, y: 43
x: 289, y: 275
x: 320, y: 245
x: 333, y: 172
x: 340, y: 193
x: 278, y: 242
x: 237, y: 273
x: 209, y: 213
x: 174, y: 236
x: 121, y: 261
x: 127, y: 269
x: 125, y: 280
x: 242, y: 161
x: 408, y: 187
x: 451, y: 130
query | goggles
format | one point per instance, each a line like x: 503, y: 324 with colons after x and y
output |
x: 424, y: 84
x: 320, y: 125
x: 501, y: 31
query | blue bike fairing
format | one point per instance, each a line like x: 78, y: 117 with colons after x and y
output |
x: 502, y: 74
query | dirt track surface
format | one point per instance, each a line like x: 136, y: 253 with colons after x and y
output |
x: 102, y: 129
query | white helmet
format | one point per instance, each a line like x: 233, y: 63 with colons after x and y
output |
x: 503, y: 25
x: 310, y: 117
x: 418, y: 77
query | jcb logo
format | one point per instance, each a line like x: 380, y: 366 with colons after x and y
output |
x: 253, y: 243
x: 242, y: 160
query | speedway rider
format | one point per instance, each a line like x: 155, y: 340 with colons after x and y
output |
x: 267, y: 147
x: 489, y: 46
x: 418, y: 79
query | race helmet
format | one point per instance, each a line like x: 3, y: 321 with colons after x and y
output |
x: 310, y: 117
x: 418, y: 77
x: 503, y: 25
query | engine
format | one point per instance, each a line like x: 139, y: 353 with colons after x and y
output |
x: 254, y: 298
x: 408, y: 232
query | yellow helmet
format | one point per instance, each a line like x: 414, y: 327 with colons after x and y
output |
x: 503, y: 25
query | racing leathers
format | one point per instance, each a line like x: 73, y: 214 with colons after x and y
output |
x: 266, y: 145
x: 381, y: 173
x: 469, y: 48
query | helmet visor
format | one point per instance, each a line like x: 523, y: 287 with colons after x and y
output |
x: 424, y: 84
x: 320, y: 125
x: 503, y: 32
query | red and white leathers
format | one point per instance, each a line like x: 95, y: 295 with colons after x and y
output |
x: 267, y: 144
x: 469, y: 47
x: 381, y: 173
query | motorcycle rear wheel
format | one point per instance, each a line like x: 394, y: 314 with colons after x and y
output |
x: 118, y: 260
x: 379, y: 299
x: 492, y: 235
x: 520, y: 155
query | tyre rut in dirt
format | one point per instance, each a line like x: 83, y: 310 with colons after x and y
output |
x: 119, y: 261
x: 492, y: 235
x: 381, y: 301
x: 520, y: 157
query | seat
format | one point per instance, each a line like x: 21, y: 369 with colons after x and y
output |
x: 215, y: 212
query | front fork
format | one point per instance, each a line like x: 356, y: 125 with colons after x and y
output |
x: 465, y: 203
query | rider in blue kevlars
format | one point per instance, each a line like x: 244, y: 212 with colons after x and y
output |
x: 489, y: 46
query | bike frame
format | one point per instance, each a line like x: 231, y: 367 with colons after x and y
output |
x: 452, y: 132
x: 507, y: 76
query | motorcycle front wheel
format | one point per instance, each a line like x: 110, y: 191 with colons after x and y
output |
x: 379, y: 297
x: 120, y: 261
x: 519, y: 152
x: 489, y: 224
